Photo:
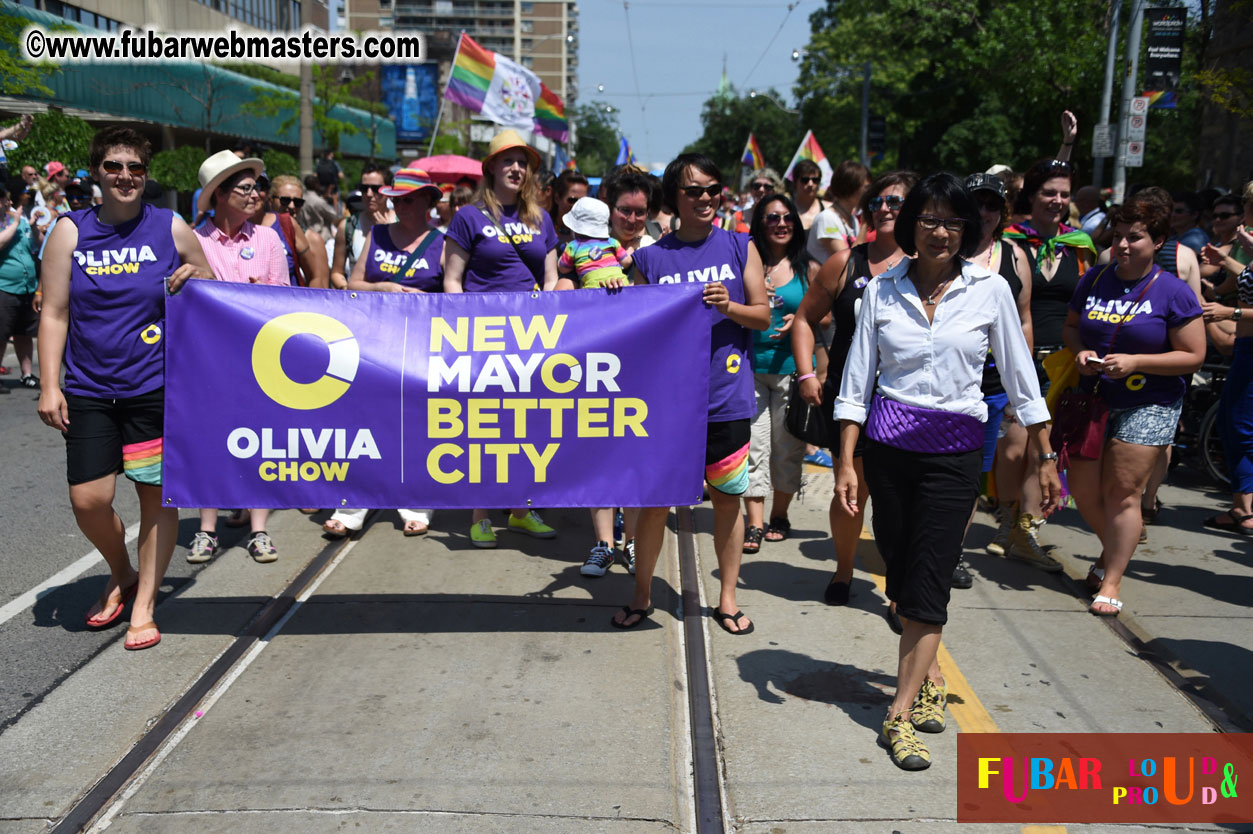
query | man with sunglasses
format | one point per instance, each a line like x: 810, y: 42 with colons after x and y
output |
x: 350, y: 235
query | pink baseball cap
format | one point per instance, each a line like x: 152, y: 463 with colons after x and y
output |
x: 53, y: 168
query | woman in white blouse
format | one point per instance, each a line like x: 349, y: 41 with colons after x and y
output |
x: 912, y: 376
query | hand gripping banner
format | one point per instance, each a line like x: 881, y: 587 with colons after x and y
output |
x: 289, y: 397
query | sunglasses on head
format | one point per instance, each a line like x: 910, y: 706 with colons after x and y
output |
x: 950, y: 224
x: 693, y: 192
x: 112, y: 166
x: 286, y: 202
x: 773, y: 219
x: 893, y: 202
x: 1059, y: 165
x: 810, y: 180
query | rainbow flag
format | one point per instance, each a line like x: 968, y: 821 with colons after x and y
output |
x: 753, y: 158
x: 625, y: 155
x: 550, y: 115
x: 1164, y: 100
x: 811, y: 150
x: 487, y: 82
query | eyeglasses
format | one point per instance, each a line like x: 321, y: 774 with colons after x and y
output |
x: 810, y: 180
x: 631, y: 212
x: 245, y: 189
x: 950, y: 224
x: 693, y: 192
x: 371, y: 187
x: 893, y: 202
x: 758, y: 185
x: 1224, y: 215
x: 773, y: 219
x: 136, y: 169
x: 298, y: 202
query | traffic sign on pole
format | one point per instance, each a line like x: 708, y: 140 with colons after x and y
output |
x: 1135, y: 154
x: 1103, y: 141
x: 1135, y: 127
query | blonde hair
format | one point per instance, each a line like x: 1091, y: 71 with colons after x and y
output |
x: 48, y: 189
x: 529, y: 210
x: 285, y: 179
x: 1248, y: 192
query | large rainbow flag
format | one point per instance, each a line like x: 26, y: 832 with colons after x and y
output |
x: 752, y: 158
x: 811, y: 150
x: 550, y: 115
x: 487, y: 82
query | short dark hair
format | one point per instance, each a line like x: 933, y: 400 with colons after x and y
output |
x: 117, y: 136
x: 627, y: 180
x: 561, y: 186
x: 311, y: 183
x: 797, y: 252
x: 1038, y: 174
x: 1150, y: 212
x: 881, y: 183
x: 372, y: 168
x: 675, y: 171
x: 805, y: 168
x: 848, y: 179
x: 1232, y: 200
x: 544, y: 179
x: 939, y: 188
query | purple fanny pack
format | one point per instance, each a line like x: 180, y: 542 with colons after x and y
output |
x: 924, y: 430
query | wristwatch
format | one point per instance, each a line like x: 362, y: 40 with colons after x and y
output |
x: 1047, y: 456
x: 1236, y: 314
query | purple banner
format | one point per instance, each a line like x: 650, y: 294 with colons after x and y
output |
x: 289, y: 397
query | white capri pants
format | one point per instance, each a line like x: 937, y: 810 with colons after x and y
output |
x: 774, y: 454
x: 353, y: 520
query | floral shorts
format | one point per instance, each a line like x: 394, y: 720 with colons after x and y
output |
x: 1144, y: 425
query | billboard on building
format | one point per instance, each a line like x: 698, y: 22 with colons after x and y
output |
x: 411, y: 93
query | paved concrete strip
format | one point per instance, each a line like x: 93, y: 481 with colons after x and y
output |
x: 67, y: 574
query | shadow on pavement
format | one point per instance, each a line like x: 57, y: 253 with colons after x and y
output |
x: 1229, y: 588
x: 861, y: 694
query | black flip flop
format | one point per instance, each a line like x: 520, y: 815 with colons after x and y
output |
x: 735, y: 618
x: 1236, y: 525
x: 642, y: 613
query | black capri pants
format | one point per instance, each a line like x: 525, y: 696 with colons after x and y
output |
x: 921, y: 506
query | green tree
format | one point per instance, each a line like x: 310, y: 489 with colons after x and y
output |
x: 18, y: 77
x: 728, y: 119
x: 597, y: 131
x: 278, y: 163
x: 328, y: 93
x: 54, y: 135
x: 178, y: 168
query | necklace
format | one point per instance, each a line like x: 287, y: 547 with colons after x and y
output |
x: 930, y: 302
x: 769, y: 277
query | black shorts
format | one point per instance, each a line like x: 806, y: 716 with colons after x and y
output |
x: 921, y: 505
x: 106, y: 437
x: 17, y: 316
x: 726, y: 455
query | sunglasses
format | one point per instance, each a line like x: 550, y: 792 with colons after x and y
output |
x: 408, y: 199
x: 773, y: 219
x: 364, y: 189
x: 1058, y: 165
x: 631, y: 212
x: 810, y: 180
x: 693, y: 192
x: 950, y: 224
x: 1224, y: 215
x: 286, y: 202
x: 892, y: 201
x: 112, y: 166
x: 758, y: 185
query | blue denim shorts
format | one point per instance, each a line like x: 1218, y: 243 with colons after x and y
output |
x: 1144, y: 425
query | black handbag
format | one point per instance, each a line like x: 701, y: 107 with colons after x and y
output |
x: 802, y: 420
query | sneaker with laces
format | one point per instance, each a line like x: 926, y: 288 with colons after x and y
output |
x: 628, y: 556
x: 482, y: 534
x: 927, y: 712
x: 598, y: 561
x: 1000, y: 541
x: 203, y: 547
x: 532, y: 525
x: 961, y: 577
x: 261, y: 547
x: 1025, y: 546
x: 908, y: 752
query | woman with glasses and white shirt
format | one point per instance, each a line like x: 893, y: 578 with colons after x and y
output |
x: 913, y: 378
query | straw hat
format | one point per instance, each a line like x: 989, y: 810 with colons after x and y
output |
x: 589, y: 216
x: 220, y: 167
x: 508, y: 140
x: 409, y: 180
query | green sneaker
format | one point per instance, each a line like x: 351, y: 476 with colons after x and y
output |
x: 908, y: 753
x: 532, y: 525
x: 927, y: 712
x: 482, y: 534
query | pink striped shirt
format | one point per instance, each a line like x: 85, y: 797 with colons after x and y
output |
x: 255, y: 255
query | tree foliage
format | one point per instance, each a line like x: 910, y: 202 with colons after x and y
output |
x: 596, y: 148
x: 729, y: 119
x: 17, y: 76
x: 178, y: 168
x: 53, y: 135
x: 278, y: 163
x: 328, y: 93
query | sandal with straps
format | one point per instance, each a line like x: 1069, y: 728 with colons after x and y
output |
x: 778, y: 529
x: 752, y: 539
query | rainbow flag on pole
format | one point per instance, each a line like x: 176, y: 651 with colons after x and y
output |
x: 487, y: 82
x: 811, y: 150
x: 753, y: 158
x: 625, y: 155
x: 550, y: 115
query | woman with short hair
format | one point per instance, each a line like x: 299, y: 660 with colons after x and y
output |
x: 106, y: 330
x: 913, y: 376
x: 806, y: 186
x: 839, y: 226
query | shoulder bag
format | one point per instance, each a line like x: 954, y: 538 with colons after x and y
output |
x: 802, y: 420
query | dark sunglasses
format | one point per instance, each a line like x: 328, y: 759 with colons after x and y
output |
x: 112, y: 166
x: 892, y: 201
x: 810, y: 180
x: 773, y: 219
x: 298, y: 202
x: 757, y: 185
x: 363, y: 188
x: 1223, y: 215
x: 693, y: 192
x: 631, y: 212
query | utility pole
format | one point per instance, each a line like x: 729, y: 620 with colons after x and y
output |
x: 865, y: 115
x: 1128, y: 93
x: 306, y: 97
x: 1107, y: 92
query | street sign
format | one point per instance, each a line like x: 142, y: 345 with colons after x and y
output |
x: 1103, y: 140
x: 1135, y: 127
x: 1140, y: 105
x: 1165, y: 47
x: 1135, y: 154
x: 877, y: 134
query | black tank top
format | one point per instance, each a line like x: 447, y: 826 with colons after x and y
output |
x: 1050, y: 300
x: 844, y: 316
x: 991, y: 377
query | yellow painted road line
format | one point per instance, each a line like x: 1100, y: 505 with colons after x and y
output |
x: 966, y: 708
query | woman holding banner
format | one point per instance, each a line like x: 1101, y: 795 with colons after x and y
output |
x: 107, y: 329
x: 405, y: 257
x: 503, y: 242
x: 692, y: 188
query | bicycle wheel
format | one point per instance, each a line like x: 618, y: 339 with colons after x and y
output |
x: 1210, y: 446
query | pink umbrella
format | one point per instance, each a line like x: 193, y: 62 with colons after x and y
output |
x: 449, y: 167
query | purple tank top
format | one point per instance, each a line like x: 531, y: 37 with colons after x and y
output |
x: 115, y: 346
x: 383, y: 262
x: 719, y: 257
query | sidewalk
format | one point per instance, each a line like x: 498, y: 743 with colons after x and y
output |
x: 427, y: 686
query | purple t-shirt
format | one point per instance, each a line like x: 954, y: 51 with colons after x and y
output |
x: 719, y: 257
x: 383, y: 262
x: 1102, y: 300
x: 115, y: 346
x: 494, y: 264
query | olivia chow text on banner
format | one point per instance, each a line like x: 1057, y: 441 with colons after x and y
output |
x: 290, y: 397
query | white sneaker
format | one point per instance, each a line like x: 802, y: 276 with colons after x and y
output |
x: 598, y: 561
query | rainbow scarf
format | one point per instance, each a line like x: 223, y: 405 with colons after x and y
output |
x: 1051, y: 247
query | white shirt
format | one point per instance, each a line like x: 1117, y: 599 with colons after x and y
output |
x: 827, y: 225
x: 938, y: 365
x: 1091, y: 220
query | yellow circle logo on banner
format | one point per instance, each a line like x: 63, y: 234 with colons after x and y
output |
x: 267, y: 365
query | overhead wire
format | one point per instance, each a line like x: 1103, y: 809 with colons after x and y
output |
x: 770, y: 43
x: 626, y: 12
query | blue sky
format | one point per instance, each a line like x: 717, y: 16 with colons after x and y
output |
x: 678, y: 46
